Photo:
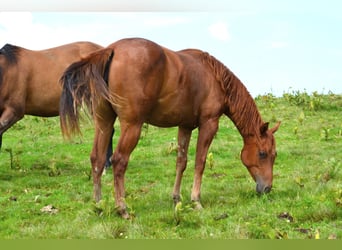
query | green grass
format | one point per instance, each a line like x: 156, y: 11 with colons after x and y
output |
x: 39, y: 168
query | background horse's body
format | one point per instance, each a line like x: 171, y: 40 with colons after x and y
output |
x: 29, y: 80
x: 140, y: 81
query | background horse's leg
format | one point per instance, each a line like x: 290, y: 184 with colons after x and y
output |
x: 206, y: 134
x: 103, y: 132
x: 8, y: 117
x: 183, y: 144
x: 129, y: 137
x: 109, y: 151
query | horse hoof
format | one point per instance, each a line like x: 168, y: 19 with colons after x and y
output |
x: 197, y: 205
x: 124, y: 214
x: 176, y: 199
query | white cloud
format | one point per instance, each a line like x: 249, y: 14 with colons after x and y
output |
x: 219, y: 31
x: 21, y: 29
x: 18, y: 28
x: 15, y: 20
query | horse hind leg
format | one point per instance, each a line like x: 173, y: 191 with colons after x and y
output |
x: 98, y: 156
x: 110, y: 151
x: 129, y: 137
x: 183, y: 145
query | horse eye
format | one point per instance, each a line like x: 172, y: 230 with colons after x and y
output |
x: 262, y: 154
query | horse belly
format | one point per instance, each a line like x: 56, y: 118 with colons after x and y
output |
x: 46, y: 105
x: 173, y: 114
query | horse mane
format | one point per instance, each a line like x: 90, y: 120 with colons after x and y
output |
x: 240, y: 106
x: 10, y: 52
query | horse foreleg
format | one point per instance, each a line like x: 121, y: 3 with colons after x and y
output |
x: 183, y: 145
x: 7, y: 119
x: 129, y: 137
x: 206, y: 134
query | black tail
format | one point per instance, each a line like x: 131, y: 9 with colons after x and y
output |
x: 84, y: 82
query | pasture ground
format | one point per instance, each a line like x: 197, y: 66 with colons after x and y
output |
x: 46, y: 190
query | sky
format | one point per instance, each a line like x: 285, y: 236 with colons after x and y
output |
x: 273, y: 46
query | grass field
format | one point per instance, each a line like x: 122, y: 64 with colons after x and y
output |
x: 46, y: 190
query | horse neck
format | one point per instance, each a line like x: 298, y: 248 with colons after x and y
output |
x: 239, y: 104
x: 241, y: 108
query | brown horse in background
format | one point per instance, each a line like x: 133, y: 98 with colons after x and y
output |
x: 29, y: 80
x: 140, y: 81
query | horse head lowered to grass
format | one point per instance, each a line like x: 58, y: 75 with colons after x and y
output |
x: 139, y: 82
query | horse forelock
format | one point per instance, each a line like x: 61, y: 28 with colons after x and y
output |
x: 10, y: 52
x: 241, y: 107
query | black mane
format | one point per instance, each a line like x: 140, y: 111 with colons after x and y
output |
x: 10, y: 52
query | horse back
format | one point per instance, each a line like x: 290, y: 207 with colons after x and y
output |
x: 33, y: 80
x: 153, y: 84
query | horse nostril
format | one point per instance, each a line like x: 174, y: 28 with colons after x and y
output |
x: 263, y: 190
x: 267, y: 189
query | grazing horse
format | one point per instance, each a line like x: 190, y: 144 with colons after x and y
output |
x: 29, y: 80
x: 141, y: 82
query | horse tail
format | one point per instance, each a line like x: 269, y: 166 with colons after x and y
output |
x: 83, y: 82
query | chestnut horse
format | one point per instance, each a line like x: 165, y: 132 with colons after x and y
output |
x: 141, y: 82
x: 29, y: 80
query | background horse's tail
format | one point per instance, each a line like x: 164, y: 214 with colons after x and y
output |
x: 83, y: 82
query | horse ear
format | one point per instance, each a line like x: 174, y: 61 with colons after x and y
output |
x: 275, y: 128
x: 264, y: 128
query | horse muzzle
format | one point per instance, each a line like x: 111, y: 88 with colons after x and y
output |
x: 263, y: 189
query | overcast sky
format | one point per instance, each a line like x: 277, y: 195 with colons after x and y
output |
x: 272, y: 46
